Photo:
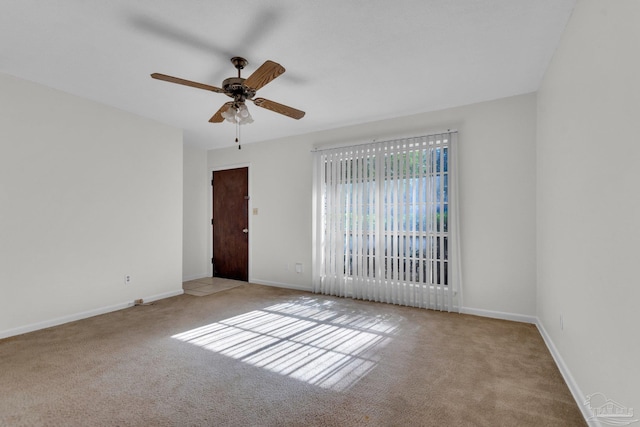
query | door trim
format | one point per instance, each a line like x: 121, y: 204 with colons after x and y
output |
x: 210, y: 211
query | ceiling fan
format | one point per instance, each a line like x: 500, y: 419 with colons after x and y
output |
x: 241, y: 90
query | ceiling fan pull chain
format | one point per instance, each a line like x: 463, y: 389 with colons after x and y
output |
x: 238, y: 135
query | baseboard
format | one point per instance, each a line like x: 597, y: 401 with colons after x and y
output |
x: 577, y: 394
x: 280, y: 285
x: 499, y: 315
x: 82, y: 315
x: 162, y: 296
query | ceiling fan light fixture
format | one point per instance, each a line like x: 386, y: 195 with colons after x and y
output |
x: 243, y: 111
x: 230, y: 114
x: 243, y: 115
x: 246, y: 120
x: 239, y: 115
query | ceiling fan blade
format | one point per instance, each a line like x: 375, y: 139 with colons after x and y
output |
x: 279, y: 108
x: 264, y: 74
x: 179, y: 81
x: 217, y: 117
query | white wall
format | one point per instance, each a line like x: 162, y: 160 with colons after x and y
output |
x: 497, y: 186
x: 88, y: 194
x: 588, y: 171
x: 196, y: 225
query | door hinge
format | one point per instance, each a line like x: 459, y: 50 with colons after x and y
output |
x: 211, y: 221
x: 211, y: 260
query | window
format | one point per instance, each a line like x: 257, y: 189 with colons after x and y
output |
x: 383, y: 223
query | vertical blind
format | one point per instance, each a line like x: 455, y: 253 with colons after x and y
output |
x: 386, y: 223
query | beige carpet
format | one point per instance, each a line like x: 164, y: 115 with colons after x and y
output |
x: 261, y: 356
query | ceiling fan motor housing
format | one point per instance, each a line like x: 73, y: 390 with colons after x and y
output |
x: 234, y: 88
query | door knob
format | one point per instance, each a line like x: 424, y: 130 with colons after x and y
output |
x: 245, y: 230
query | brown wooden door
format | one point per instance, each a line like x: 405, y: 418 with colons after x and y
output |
x: 231, y: 224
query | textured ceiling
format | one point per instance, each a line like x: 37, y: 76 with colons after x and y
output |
x: 347, y: 62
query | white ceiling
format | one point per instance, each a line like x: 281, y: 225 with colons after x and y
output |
x: 347, y: 61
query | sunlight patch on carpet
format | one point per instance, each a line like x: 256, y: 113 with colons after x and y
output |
x: 307, y: 339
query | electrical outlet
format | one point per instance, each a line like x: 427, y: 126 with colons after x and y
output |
x: 127, y: 279
x: 138, y: 302
x: 298, y: 268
